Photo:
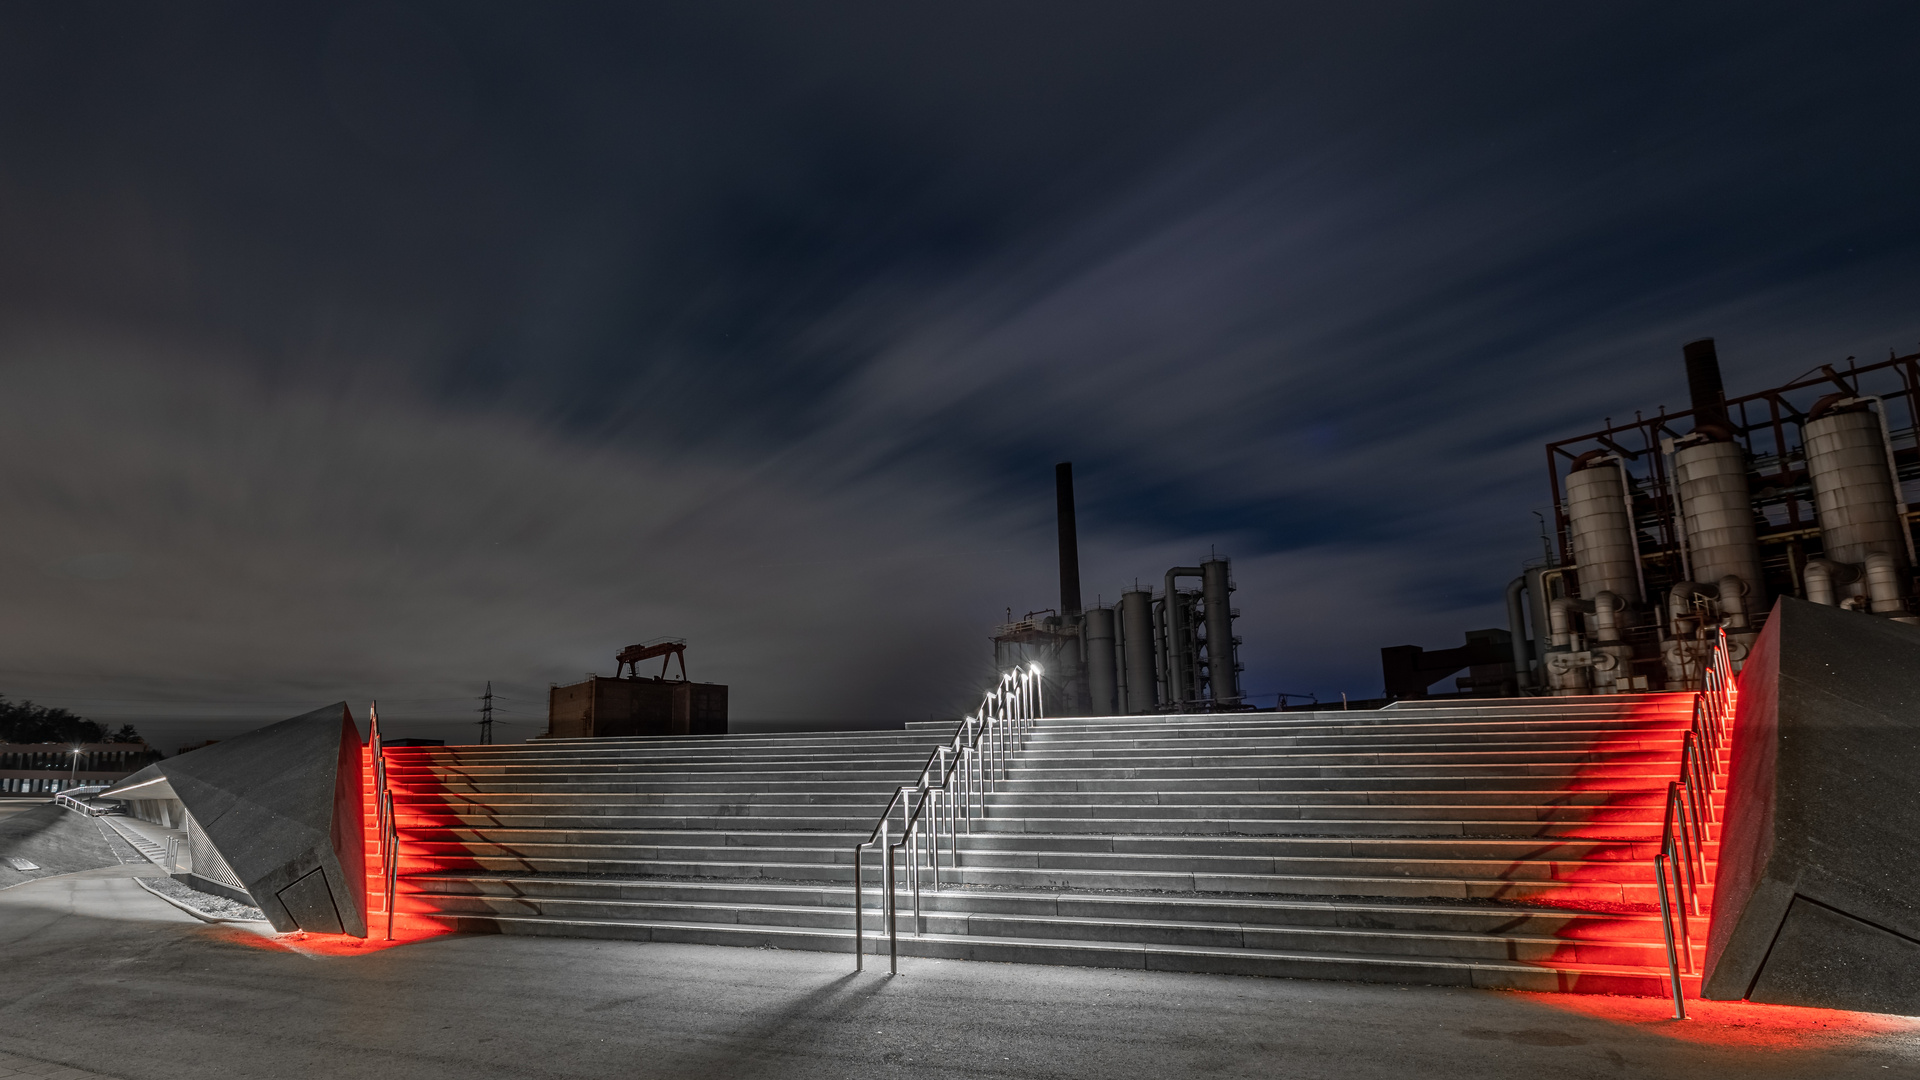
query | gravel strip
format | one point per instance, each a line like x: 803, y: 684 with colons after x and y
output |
x: 205, y: 905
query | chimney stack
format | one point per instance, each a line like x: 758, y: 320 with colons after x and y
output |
x: 1703, y: 384
x: 1069, y: 540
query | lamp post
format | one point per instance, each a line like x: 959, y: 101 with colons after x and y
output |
x: 73, y: 776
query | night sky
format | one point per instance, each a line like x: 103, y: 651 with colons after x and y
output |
x: 379, y: 351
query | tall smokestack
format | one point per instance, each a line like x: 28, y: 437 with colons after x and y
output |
x: 1703, y: 384
x: 1069, y: 540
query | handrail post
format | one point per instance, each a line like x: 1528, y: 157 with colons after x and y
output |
x: 893, y: 930
x: 987, y: 729
x: 910, y: 847
x: 1666, y: 926
x: 966, y: 776
x: 986, y: 762
x: 976, y: 777
x: 953, y: 825
x: 391, y: 843
x: 919, y: 917
x: 1683, y: 867
x: 933, y: 837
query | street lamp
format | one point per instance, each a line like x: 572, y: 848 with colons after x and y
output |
x: 73, y: 777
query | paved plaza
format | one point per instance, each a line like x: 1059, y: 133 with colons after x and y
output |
x: 103, y: 978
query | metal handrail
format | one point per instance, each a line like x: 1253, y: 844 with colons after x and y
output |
x: 1690, y: 818
x: 383, y: 810
x: 81, y: 806
x: 954, y: 784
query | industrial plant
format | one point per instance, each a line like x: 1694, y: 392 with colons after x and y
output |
x: 1677, y: 526
x: 1173, y: 651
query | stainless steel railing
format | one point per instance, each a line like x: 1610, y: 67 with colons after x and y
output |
x: 950, y: 793
x: 1681, y: 867
x: 383, y: 809
x: 79, y: 804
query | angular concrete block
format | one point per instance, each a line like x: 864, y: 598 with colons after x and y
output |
x: 1818, y: 889
x: 281, y: 804
x: 1823, y: 956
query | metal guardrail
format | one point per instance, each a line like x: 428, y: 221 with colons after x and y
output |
x: 383, y: 808
x: 955, y: 783
x: 1690, y: 820
x: 81, y: 806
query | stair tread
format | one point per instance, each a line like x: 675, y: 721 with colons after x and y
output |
x: 874, y: 934
x: 1096, y: 921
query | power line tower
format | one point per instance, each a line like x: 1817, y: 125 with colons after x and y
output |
x: 486, y: 715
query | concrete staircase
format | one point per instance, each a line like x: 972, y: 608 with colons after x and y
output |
x: 1493, y: 843
x: 733, y: 840
x: 149, y: 839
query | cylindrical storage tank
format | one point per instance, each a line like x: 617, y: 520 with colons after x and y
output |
x: 1721, y: 540
x: 1223, y: 668
x: 1847, y: 462
x: 1603, y: 540
x: 1102, y: 690
x: 1176, y: 623
x: 1142, y: 673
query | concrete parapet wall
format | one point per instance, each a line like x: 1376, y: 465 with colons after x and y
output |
x: 1817, y: 901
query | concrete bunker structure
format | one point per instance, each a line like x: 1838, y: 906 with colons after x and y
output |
x: 601, y: 708
x: 276, y: 818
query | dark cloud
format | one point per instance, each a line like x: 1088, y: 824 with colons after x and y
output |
x: 386, y: 349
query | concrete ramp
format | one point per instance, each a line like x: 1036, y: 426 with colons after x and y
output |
x: 1818, y: 897
x: 52, y: 839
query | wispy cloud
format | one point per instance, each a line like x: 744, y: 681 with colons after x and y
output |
x: 772, y: 348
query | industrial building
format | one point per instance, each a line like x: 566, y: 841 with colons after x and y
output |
x: 1171, y: 651
x: 1677, y: 525
x: 601, y: 708
x: 47, y: 768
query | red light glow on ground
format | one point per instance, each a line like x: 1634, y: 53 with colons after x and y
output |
x: 348, y: 945
x: 318, y: 945
x: 1739, y: 1024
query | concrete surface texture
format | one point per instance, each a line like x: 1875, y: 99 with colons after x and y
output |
x: 14, y: 1066
x: 1818, y: 896
x: 106, y: 979
x: 282, y: 805
x: 57, y: 840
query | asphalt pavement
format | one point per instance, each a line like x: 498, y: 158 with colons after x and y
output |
x: 104, y: 978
